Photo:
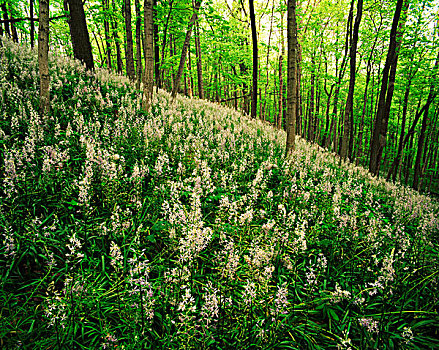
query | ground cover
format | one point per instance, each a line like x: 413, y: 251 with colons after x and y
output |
x: 185, y: 227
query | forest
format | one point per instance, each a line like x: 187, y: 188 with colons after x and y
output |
x: 219, y: 174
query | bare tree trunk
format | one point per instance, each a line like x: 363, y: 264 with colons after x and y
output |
x: 43, y: 57
x: 107, y: 33
x: 347, y: 129
x: 425, y: 121
x: 79, y: 33
x: 129, y: 34
x: 199, y: 63
x: 165, y: 33
x: 184, y: 49
x: 5, y: 17
x: 255, y: 59
x: 101, y: 58
x: 292, y: 77
x: 386, y: 93
x: 138, y: 45
x: 281, y: 80
x: 156, y: 48
x: 117, y: 42
x: 32, y: 23
x: 148, y: 76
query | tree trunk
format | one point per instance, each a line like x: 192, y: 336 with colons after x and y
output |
x: 43, y: 57
x: 138, y: 45
x: 107, y: 33
x: 165, y: 33
x: 310, y: 119
x: 129, y: 34
x: 148, y: 76
x: 156, y: 48
x: 5, y: 17
x: 292, y: 77
x: 425, y: 121
x: 199, y: 63
x: 347, y: 125
x: 281, y: 79
x: 184, y: 49
x: 117, y: 42
x: 255, y: 59
x: 79, y: 33
x: 32, y: 23
x: 13, y: 28
x: 386, y: 92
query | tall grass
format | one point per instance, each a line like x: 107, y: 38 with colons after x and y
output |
x: 186, y: 228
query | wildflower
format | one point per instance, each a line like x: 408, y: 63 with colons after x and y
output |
x: 407, y: 334
x: 369, y: 324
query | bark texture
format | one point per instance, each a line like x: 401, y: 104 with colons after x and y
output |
x: 129, y: 56
x: 184, y: 49
x: 43, y: 57
x: 347, y: 122
x: 148, y: 76
x: 255, y: 59
x: 79, y: 33
x: 292, y: 77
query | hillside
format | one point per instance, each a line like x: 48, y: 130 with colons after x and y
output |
x: 186, y: 228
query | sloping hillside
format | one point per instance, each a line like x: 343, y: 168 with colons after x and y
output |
x: 186, y: 228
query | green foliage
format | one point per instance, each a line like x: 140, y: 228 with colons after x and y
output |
x: 185, y: 227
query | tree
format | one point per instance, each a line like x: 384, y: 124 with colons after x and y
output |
x: 79, y: 33
x: 292, y: 77
x: 43, y: 57
x: 425, y: 122
x: 129, y: 35
x: 32, y: 23
x: 347, y: 125
x: 107, y: 33
x: 138, y: 44
x: 184, y: 49
x: 255, y: 59
x: 148, y: 76
x: 386, y: 92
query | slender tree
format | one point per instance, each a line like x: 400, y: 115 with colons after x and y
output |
x: 32, y: 23
x: 129, y: 56
x: 348, y: 127
x: 105, y: 4
x: 43, y: 57
x: 138, y: 44
x: 292, y: 77
x: 199, y: 61
x: 255, y: 59
x: 386, y: 93
x: 184, y: 49
x: 79, y: 33
x: 148, y: 76
x: 425, y: 122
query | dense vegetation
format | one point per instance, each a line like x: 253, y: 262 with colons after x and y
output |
x: 219, y: 66
x: 185, y: 227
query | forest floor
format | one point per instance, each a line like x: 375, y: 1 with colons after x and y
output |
x: 185, y: 227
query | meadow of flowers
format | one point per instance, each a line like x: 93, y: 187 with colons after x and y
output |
x: 185, y: 227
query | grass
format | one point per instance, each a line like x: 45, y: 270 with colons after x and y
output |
x: 185, y: 227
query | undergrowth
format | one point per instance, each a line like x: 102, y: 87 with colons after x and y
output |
x: 185, y: 227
